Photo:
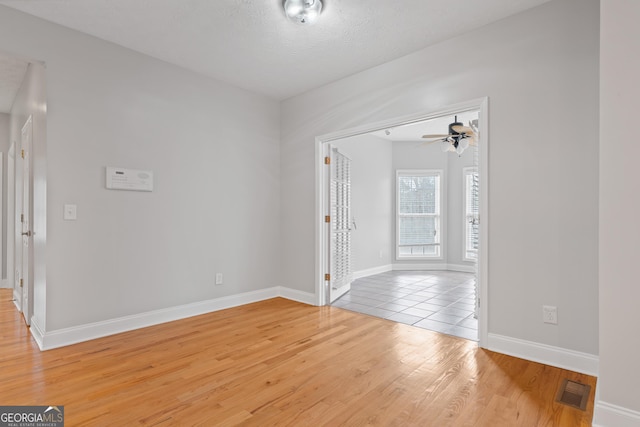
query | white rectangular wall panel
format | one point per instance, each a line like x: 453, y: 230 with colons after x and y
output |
x: 129, y: 179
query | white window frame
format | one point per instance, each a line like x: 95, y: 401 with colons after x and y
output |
x: 467, y: 216
x: 439, y: 255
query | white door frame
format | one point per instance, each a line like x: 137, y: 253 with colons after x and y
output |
x: 11, y: 214
x: 16, y: 237
x: 322, y: 173
x: 26, y: 246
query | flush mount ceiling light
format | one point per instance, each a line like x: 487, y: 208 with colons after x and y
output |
x: 303, y: 11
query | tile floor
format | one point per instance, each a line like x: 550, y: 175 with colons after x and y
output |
x: 441, y: 301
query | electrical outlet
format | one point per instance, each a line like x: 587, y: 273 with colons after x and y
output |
x: 550, y: 314
x: 218, y: 278
x: 70, y: 213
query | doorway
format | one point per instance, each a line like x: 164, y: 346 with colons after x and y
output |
x: 26, y: 195
x: 395, y: 263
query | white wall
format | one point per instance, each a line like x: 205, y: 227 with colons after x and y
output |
x: 619, y: 400
x: 5, y: 143
x: 540, y: 72
x: 214, y: 151
x: 371, y: 200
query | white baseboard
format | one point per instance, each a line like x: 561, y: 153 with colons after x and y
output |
x: 296, y: 295
x: 462, y: 268
x: 413, y: 267
x: 4, y: 284
x: 37, y: 333
x: 549, y: 355
x: 433, y: 266
x: 17, y: 301
x: 608, y: 415
x: 76, y: 334
x: 371, y: 271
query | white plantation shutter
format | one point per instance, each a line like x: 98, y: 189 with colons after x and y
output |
x: 418, y: 216
x: 472, y: 214
x: 340, y: 201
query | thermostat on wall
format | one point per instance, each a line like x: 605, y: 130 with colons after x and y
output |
x: 129, y: 179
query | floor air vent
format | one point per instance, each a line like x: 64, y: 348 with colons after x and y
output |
x: 573, y: 394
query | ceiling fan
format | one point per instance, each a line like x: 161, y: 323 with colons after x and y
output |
x: 459, y: 137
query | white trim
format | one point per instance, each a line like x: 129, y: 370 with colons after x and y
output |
x: 371, y: 271
x: 296, y: 295
x: 90, y: 331
x: 17, y: 301
x: 463, y: 268
x: 549, y: 355
x: 609, y: 415
x: 434, y: 267
x: 482, y: 274
x: 37, y: 333
x: 322, y: 202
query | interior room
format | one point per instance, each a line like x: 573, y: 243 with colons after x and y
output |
x: 418, y: 273
x: 164, y: 242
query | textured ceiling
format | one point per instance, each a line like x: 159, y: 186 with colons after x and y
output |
x: 250, y: 44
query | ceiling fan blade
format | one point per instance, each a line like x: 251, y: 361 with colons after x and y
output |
x: 436, y: 136
x: 463, y: 129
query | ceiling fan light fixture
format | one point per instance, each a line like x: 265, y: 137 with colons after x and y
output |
x: 303, y: 12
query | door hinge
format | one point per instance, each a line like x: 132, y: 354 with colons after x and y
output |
x: 21, y: 217
x: 20, y: 282
x: 22, y: 153
x: 327, y: 218
x: 327, y: 277
x: 327, y: 160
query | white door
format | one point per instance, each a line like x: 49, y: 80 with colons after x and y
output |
x: 27, y: 303
x: 339, y: 225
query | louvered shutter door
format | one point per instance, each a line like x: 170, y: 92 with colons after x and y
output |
x: 340, y: 200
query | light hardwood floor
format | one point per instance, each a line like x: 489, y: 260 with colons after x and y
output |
x: 280, y: 363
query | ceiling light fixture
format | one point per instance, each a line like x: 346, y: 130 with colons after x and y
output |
x: 303, y: 11
x: 458, y: 139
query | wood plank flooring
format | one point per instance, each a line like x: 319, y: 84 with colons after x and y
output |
x: 280, y: 363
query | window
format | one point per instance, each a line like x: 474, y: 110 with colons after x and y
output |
x: 418, y: 216
x: 472, y: 216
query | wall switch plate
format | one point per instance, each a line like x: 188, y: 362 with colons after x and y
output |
x: 70, y: 212
x: 550, y: 314
x: 218, y: 278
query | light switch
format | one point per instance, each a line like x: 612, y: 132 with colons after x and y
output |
x: 70, y: 212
